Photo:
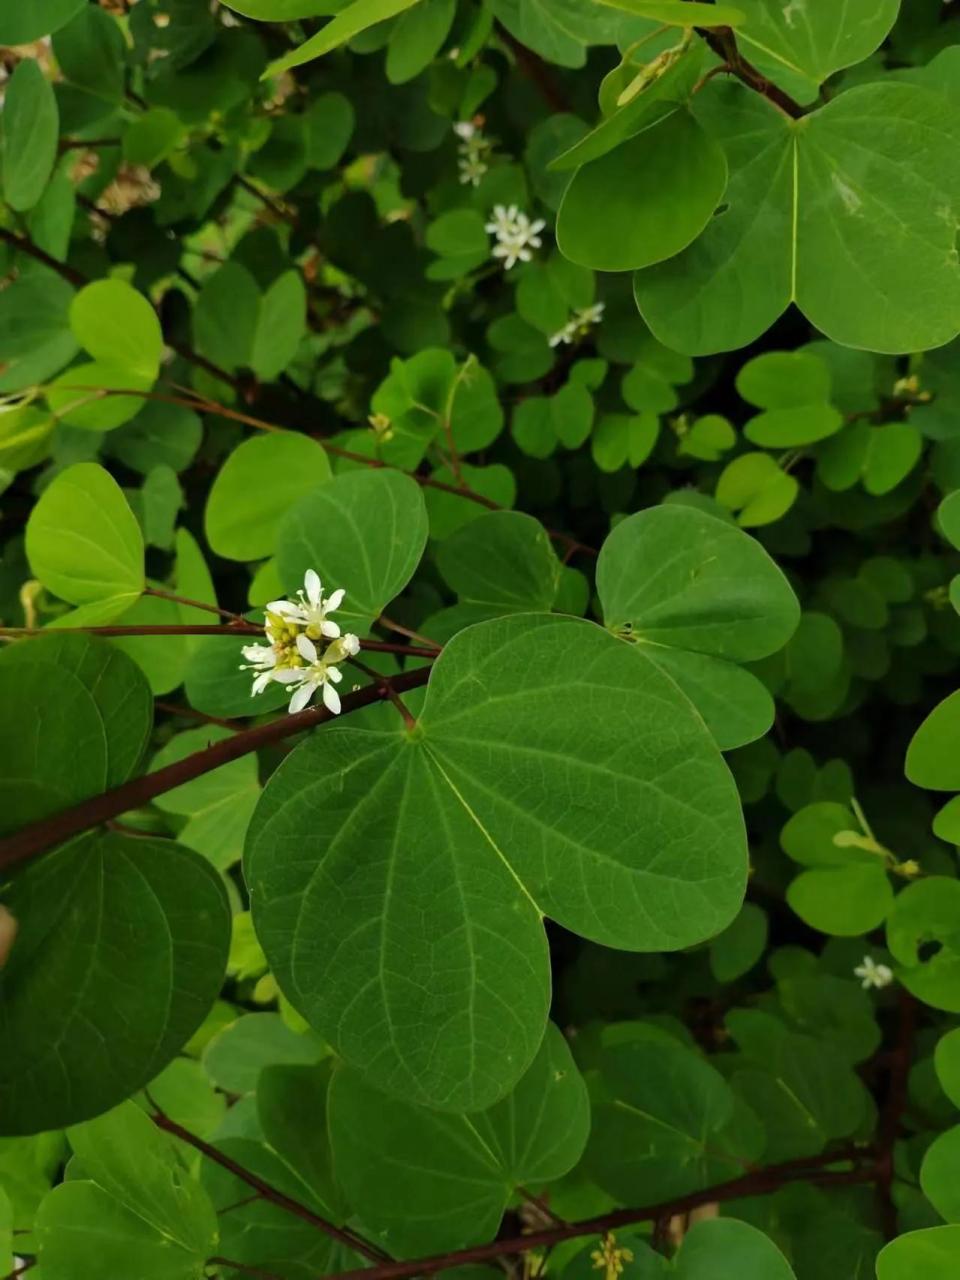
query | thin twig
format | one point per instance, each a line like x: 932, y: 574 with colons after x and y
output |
x: 193, y: 604
x: 760, y: 1182
x: 264, y: 1189
x: 30, y: 841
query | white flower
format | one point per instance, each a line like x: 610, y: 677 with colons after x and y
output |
x: 263, y: 659
x: 873, y: 974
x: 515, y: 234
x: 472, y: 170
x: 502, y: 220
x: 317, y: 674
x: 465, y: 129
x: 584, y: 318
x: 311, y: 611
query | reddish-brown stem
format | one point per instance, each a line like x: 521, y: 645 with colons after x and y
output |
x: 406, y: 631
x: 36, y: 838
x: 723, y: 42
x: 265, y: 1190
x: 193, y: 604
x: 760, y: 1182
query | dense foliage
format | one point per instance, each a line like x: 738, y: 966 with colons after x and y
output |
x: 479, y: 579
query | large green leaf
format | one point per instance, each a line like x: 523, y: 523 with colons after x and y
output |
x: 98, y: 713
x: 121, y: 952
x: 261, y: 480
x: 30, y: 126
x: 801, y: 45
x: 504, y: 561
x: 663, y: 1126
x: 425, y: 1181
x: 286, y: 1093
x: 933, y: 1254
x: 841, y: 212
x: 696, y: 595
x: 646, y: 199
x: 19, y: 24
x: 118, y: 326
x: 364, y: 532
x: 722, y: 1247
x: 35, y: 334
x: 135, y: 1211
x: 377, y: 862
x: 349, y: 22
x: 84, y: 543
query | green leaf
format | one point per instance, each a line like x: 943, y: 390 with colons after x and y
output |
x: 503, y: 561
x: 92, y: 736
x: 281, y: 324
x: 787, y: 428
x: 425, y: 1181
x: 217, y: 805
x: 24, y: 24
x: 35, y: 334
x: 261, y: 482
x: 784, y: 380
x: 756, y: 488
x: 645, y: 200
x: 922, y: 933
x: 84, y: 543
x: 938, y: 1174
x: 475, y: 862
x: 717, y: 1248
x: 285, y: 1095
x: 119, y: 328
x: 282, y: 10
x: 235, y: 1057
x: 689, y: 14
x: 659, y: 1133
x: 947, y: 1061
x: 735, y: 951
x: 802, y: 47
x: 417, y: 38
x: 137, y: 1165
x: 6, y: 1231
x: 364, y: 532
x: 933, y: 1254
x: 837, y: 212
x: 31, y: 126
x: 349, y: 22
x: 933, y: 756
x: 109, y: 976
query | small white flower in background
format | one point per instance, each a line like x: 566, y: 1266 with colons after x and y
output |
x: 515, y: 234
x: 293, y: 629
x: 872, y: 974
x: 474, y: 149
x: 584, y: 318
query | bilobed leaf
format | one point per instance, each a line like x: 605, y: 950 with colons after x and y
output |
x: 843, y: 212
x: 118, y: 327
x: 645, y: 200
x: 349, y: 22
x: 121, y: 952
x: 801, y: 45
x: 425, y: 1180
x: 364, y: 531
x: 476, y: 862
x: 30, y: 127
x: 261, y: 481
x: 84, y: 543
x: 504, y: 561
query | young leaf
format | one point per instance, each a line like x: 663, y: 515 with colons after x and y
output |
x: 349, y: 22
x: 84, y: 543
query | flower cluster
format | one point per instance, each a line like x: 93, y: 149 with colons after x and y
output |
x: 872, y: 974
x: 474, y: 151
x: 580, y: 324
x: 516, y: 236
x: 305, y: 647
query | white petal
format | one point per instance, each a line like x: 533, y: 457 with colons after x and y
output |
x: 312, y: 585
x: 329, y: 629
x: 306, y: 649
x: 351, y: 644
x: 331, y: 699
x: 285, y: 608
x: 261, y: 683
x: 335, y: 600
x: 288, y: 675
x: 301, y: 697
x: 335, y: 675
